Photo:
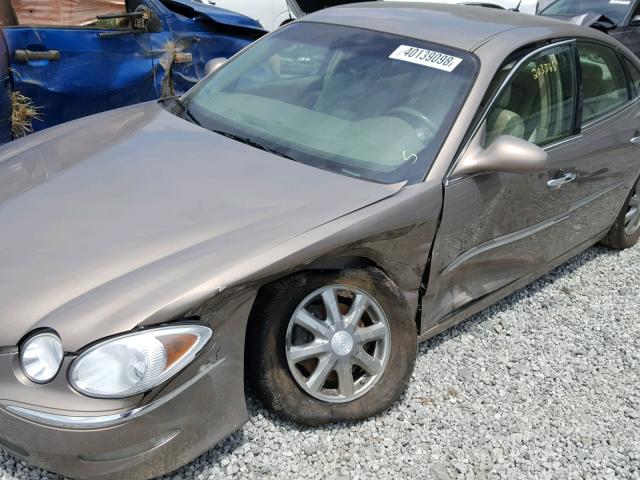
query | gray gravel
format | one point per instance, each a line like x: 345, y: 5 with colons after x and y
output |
x: 545, y: 384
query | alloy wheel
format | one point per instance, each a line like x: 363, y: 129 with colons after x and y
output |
x: 338, y: 343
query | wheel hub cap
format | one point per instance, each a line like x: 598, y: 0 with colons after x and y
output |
x: 342, y: 343
x: 338, y: 343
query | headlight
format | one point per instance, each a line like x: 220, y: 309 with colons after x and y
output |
x: 134, y: 363
x: 41, y: 356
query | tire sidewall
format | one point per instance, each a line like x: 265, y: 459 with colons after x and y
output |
x: 271, y: 320
x: 621, y: 239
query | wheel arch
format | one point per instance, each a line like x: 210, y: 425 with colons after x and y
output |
x: 359, y: 260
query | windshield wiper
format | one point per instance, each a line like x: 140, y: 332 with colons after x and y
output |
x: 253, y: 143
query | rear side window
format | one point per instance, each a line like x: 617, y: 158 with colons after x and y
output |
x: 634, y: 76
x: 604, y: 85
x: 538, y: 103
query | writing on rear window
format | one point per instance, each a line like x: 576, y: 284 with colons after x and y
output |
x: 427, y: 58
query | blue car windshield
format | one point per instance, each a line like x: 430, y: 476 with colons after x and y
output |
x: 358, y: 102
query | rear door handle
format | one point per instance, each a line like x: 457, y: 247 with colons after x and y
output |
x: 560, y: 181
x: 24, y: 56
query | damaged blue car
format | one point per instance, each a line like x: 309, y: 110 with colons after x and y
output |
x: 152, y: 49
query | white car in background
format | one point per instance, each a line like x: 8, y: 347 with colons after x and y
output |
x: 271, y: 14
x: 524, y: 6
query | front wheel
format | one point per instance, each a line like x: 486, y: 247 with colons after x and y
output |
x: 625, y: 232
x: 331, y: 346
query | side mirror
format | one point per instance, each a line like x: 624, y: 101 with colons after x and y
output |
x: 504, y: 154
x: 214, y: 65
x: 635, y: 21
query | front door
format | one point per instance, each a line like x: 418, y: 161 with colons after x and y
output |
x: 499, y: 227
x: 69, y: 72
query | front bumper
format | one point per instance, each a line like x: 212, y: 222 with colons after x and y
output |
x: 139, y: 443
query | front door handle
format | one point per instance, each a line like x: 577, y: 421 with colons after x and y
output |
x: 560, y: 181
x: 24, y: 56
x: 635, y: 140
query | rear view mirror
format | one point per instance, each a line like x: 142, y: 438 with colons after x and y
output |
x: 504, y: 154
x: 214, y: 65
x: 635, y: 21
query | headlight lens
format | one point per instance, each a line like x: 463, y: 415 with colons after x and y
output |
x: 41, y: 357
x: 134, y: 363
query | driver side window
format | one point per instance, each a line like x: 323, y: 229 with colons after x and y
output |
x: 538, y: 103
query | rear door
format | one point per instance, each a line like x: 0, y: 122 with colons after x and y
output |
x: 70, y: 72
x: 607, y: 161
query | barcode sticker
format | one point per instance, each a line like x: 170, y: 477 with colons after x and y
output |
x: 427, y: 58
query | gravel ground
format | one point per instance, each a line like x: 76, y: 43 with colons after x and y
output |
x: 545, y: 384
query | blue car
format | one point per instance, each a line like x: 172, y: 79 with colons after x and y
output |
x: 157, y: 48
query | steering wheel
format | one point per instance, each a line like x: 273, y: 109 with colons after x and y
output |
x: 425, y: 128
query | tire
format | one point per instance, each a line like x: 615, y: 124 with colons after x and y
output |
x: 269, y: 339
x: 625, y: 233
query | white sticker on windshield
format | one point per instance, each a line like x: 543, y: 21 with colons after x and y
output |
x: 428, y: 58
x: 620, y: 2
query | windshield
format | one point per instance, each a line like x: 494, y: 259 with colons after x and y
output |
x: 615, y: 10
x: 357, y: 102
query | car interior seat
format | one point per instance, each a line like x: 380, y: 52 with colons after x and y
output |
x: 592, y: 77
x: 502, y: 120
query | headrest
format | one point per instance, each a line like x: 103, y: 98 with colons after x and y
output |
x: 505, y: 97
x: 592, y: 76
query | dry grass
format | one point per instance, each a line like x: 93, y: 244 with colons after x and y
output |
x: 23, y: 112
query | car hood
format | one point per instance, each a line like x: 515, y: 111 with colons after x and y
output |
x: 131, y: 208
x: 301, y: 8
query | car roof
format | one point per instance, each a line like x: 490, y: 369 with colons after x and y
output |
x: 459, y: 26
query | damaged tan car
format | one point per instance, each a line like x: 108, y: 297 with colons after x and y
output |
x: 347, y: 186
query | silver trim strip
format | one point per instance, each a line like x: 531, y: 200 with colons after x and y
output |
x: 103, y: 421
x: 563, y: 142
x: 606, y: 116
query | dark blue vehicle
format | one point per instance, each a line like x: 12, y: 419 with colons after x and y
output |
x: 156, y: 48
